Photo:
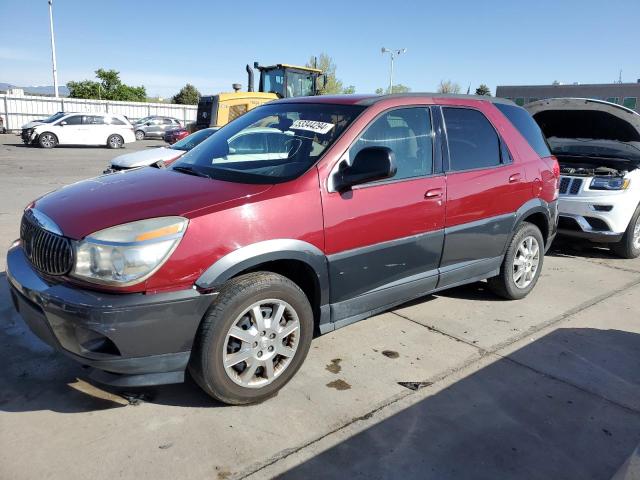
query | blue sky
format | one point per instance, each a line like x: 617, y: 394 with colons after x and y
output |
x: 163, y: 45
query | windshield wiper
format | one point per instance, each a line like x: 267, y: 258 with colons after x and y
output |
x: 190, y: 171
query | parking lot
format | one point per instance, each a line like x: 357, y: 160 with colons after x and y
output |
x: 453, y: 385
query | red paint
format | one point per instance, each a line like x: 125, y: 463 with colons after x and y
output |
x: 225, y: 216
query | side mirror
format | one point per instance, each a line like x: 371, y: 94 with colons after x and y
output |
x: 369, y: 165
x: 148, y: 123
x: 63, y: 123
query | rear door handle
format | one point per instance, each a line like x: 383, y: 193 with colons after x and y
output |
x: 433, y: 193
x: 514, y: 178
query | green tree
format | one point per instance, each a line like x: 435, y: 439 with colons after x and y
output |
x: 328, y: 67
x: 188, y: 95
x: 399, y: 88
x: 109, y: 87
x: 483, y: 90
x: 447, y: 86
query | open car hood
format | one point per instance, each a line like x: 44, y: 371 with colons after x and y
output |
x: 579, y: 128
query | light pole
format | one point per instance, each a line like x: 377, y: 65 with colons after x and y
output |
x: 392, y: 52
x: 53, y: 50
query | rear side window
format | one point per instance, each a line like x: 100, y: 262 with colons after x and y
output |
x: 407, y: 132
x: 527, y: 127
x: 473, y: 142
x: 93, y: 120
x: 167, y: 121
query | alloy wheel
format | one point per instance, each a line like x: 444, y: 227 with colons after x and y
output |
x: 636, y: 234
x: 526, y: 261
x: 115, y: 142
x: 47, y: 140
x: 261, y: 343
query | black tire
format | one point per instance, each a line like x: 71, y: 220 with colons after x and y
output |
x: 115, y: 141
x: 47, y: 140
x: 504, y: 284
x: 629, y: 246
x: 140, y: 135
x: 206, y: 364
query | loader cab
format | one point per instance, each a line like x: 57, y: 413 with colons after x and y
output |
x: 287, y: 81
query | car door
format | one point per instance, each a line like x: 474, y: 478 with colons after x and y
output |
x: 384, y: 239
x: 95, y: 130
x: 154, y: 127
x: 70, y: 131
x: 485, y: 187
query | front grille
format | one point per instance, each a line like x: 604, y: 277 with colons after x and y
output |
x: 48, y: 252
x: 570, y: 185
x: 575, y: 186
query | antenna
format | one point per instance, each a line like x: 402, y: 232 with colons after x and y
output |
x: 620, y: 76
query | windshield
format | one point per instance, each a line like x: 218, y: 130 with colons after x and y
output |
x: 270, y: 144
x: 53, y: 117
x: 299, y: 84
x: 187, y: 143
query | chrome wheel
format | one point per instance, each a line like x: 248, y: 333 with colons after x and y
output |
x: 636, y: 235
x: 261, y: 343
x: 115, y: 141
x: 139, y: 135
x: 526, y: 261
x: 47, y: 140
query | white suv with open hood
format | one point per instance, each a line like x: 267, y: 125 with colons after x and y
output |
x: 598, y: 147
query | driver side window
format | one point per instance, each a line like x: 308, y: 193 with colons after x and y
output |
x: 75, y: 120
x: 408, y: 133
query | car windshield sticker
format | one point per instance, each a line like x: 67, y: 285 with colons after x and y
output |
x: 312, y: 126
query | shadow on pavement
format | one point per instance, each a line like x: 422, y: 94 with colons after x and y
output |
x: 508, y: 420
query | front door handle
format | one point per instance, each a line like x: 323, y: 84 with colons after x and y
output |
x: 514, y: 178
x: 433, y: 193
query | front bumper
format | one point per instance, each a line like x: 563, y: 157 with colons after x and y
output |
x: 129, y: 339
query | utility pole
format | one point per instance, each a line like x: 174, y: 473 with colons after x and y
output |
x: 392, y: 52
x: 53, y: 50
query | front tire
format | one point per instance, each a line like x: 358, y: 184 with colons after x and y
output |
x: 139, y: 135
x: 629, y: 245
x: 522, y: 264
x: 115, y: 141
x: 47, y: 140
x: 253, y: 339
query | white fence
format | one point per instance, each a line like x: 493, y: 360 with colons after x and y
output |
x: 18, y: 110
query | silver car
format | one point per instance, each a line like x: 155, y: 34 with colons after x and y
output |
x: 154, y: 126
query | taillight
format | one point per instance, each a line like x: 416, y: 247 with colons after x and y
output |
x: 556, y: 167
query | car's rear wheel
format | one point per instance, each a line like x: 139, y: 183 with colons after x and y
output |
x: 139, y: 135
x: 522, y: 264
x: 629, y: 245
x: 47, y: 140
x: 115, y: 141
x: 253, y: 340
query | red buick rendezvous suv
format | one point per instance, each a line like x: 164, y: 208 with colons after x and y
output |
x: 300, y: 217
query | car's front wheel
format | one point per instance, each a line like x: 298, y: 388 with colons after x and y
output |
x: 47, y: 140
x: 139, y: 135
x: 629, y: 245
x: 115, y: 141
x: 522, y: 264
x: 253, y: 340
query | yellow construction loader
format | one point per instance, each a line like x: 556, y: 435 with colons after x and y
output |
x: 276, y: 81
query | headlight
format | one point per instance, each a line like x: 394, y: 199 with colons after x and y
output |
x: 128, y: 253
x: 609, y: 183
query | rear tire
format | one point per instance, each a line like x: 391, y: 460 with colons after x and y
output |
x: 253, y: 339
x: 115, y: 141
x: 629, y: 245
x: 47, y: 140
x: 522, y: 264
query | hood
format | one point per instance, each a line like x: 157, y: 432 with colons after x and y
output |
x: 85, y: 207
x: 146, y: 157
x: 579, y: 127
x: 31, y: 124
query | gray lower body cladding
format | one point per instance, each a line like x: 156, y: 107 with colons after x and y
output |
x: 145, y: 337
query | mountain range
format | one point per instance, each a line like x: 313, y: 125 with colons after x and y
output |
x: 63, y: 91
